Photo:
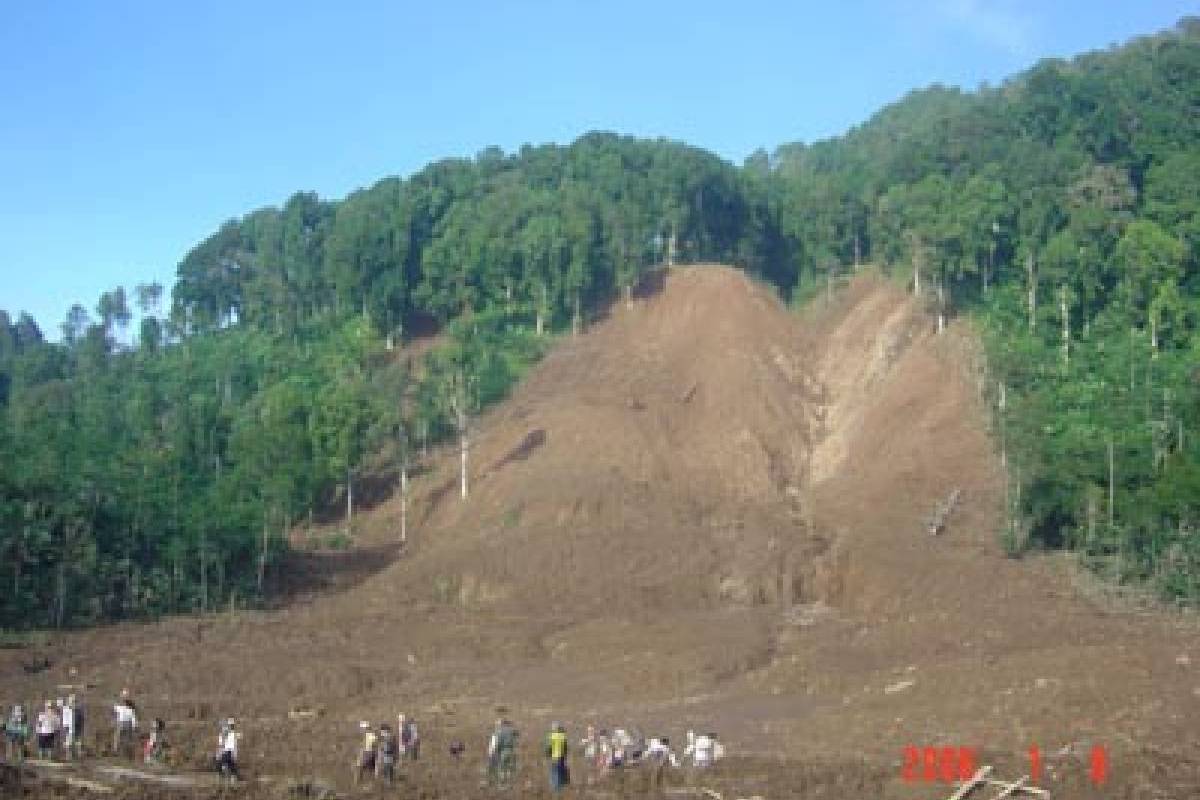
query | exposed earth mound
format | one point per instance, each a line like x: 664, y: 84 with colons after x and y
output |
x: 705, y: 512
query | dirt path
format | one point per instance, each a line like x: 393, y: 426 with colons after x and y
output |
x: 704, y: 513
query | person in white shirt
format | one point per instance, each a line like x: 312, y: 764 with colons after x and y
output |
x: 227, y: 749
x: 658, y: 755
x: 658, y: 751
x: 68, y: 727
x: 125, y: 717
x: 702, y: 749
x: 45, y: 728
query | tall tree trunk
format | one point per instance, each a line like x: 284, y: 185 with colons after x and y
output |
x: 1003, y: 404
x: 1112, y: 484
x: 60, y: 604
x: 203, y: 570
x: 629, y: 295
x: 1132, y: 364
x: 19, y: 560
x: 349, y: 497
x: 404, y: 500
x: 175, y: 581
x: 220, y: 578
x: 857, y: 252
x: 262, y: 556
x: 541, y: 311
x: 464, y: 447
x: 577, y: 317
x: 941, y: 301
x: 1031, y: 278
x: 991, y: 264
x: 1065, y: 312
x: 1091, y: 515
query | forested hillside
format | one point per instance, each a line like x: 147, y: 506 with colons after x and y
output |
x: 158, y: 470
x: 162, y: 474
x: 1064, y: 208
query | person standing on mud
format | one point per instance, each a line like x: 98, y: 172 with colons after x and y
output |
x: 556, y: 752
x: 591, y: 752
x: 45, y: 727
x: 502, y: 753
x: 364, y: 764
x: 702, y: 749
x: 68, y: 727
x: 389, y: 751
x: 16, y: 733
x: 410, y: 739
x: 658, y: 757
x: 78, y: 719
x: 227, y: 750
x: 156, y: 745
x: 124, y: 725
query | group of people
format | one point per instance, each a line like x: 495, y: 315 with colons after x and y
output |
x: 602, y: 752
x: 382, y: 748
x: 57, y: 728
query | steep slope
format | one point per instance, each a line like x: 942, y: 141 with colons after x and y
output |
x: 653, y: 464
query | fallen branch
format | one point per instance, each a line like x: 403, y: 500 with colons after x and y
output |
x: 976, y: 780
x: 1019, y: 786
x: 937, y: 521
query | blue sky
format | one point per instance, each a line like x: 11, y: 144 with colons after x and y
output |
x: 130, y: 130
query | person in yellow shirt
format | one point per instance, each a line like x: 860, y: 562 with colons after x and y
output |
x: 556, y: 752
x: 364, y: 766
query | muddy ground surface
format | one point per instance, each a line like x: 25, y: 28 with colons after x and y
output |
x: 707, y: 512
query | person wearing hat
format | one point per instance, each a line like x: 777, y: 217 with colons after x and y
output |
x: 227, y: 750
x: 556, y: 752
x: 364, y: 765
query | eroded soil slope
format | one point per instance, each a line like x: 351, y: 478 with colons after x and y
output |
x: 705, y: 512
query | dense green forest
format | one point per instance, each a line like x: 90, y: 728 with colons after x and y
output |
x: 159, y: 469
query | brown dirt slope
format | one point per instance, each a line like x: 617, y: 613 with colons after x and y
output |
x: 708, y: 512
x: 653, y: 464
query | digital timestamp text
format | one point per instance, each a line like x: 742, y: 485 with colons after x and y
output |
x: 948, y: 764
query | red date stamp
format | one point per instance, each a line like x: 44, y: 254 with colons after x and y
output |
x: 954, y: 764
x: 945, y: 764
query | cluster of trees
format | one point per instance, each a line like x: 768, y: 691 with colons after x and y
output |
x: 159, y: 469
x: 552, y: 229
